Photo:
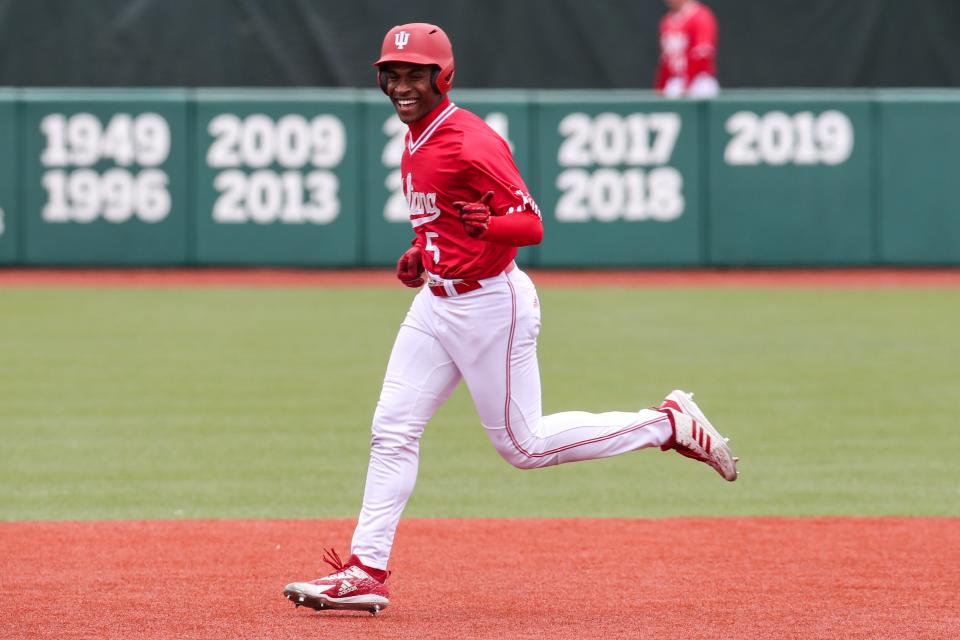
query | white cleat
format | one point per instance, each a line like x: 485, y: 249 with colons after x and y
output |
x: 694, y: 436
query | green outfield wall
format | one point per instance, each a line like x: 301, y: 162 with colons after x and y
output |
x: 104, y: 177
x: 277, y: 177
x: 311, y: 177
x: 9, y: 179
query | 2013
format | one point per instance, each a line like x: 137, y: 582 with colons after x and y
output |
x: 266, y: 196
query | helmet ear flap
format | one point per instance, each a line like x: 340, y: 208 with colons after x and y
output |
x: 440, y: 82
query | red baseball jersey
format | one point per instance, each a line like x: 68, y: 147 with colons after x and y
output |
x: 452, y: 155
x: 688, y: 44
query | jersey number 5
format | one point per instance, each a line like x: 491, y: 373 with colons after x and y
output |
x: 432, y: 247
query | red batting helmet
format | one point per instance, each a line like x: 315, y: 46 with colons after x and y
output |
x: 418, y: 43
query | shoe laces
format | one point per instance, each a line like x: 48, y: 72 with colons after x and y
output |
x: 332, y: 558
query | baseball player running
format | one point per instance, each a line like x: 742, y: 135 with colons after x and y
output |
x: 476, y: 320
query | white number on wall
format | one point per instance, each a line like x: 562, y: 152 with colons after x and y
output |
x: 777, y: 138
x: 293, y: 142
x: 81, y: 140
x: 264, y: 196
x: 610, y: 139
x: 116, y: 194
x: 267, y: 196
x: 601, y: 159
x: 608, y: 195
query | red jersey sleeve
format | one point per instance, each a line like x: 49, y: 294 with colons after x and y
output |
x: 660, y: 78
x: 703, y: 43
x: 517, y: 230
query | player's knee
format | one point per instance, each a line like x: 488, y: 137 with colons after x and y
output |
x: 390, y: 436
x: 525, y: 463
x: 519, y: 458
x: 513, y: 451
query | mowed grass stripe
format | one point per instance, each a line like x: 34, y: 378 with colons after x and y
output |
x: 128, y: 403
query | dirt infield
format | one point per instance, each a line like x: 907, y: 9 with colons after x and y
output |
x: 846, y: 578
x: 175, y: 278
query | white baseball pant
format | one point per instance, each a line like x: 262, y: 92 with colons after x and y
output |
x: 487, y: 337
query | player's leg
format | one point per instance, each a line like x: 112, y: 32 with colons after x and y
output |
x: 420, y: 377
x: 499, y: 365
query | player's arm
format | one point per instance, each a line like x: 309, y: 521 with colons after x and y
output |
x: 661, y: 74
x: 518, y: 229
x: 703, y: 46
x: 505, y: 213
x: 660, y: 79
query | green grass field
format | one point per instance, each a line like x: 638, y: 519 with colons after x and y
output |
x: 126, y: 403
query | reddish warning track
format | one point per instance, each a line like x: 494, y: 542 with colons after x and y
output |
x: 178, y: 278
x: 847, y: 578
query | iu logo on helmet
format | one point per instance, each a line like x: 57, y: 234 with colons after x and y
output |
x: 401, y: 39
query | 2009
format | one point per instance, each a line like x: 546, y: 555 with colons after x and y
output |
x: 257, y: 141
x: 777, y: 138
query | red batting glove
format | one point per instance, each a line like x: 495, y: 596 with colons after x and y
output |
x: 475, y: 216
x: 410, y: 267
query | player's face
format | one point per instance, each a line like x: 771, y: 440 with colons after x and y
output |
x: 674, y: 5
x: 409, y: 88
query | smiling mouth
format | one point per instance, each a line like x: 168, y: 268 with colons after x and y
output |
x: 405, y: 103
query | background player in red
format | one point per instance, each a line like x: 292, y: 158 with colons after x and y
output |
x: 688, y: 51
x: 477, y: 320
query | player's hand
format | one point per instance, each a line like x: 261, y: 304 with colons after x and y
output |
x: 410, y: 267
x: 475, y: 216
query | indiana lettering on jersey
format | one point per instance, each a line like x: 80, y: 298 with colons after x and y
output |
x: 527, y: 203
x: 675, y: 45
x: 423, y: 206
